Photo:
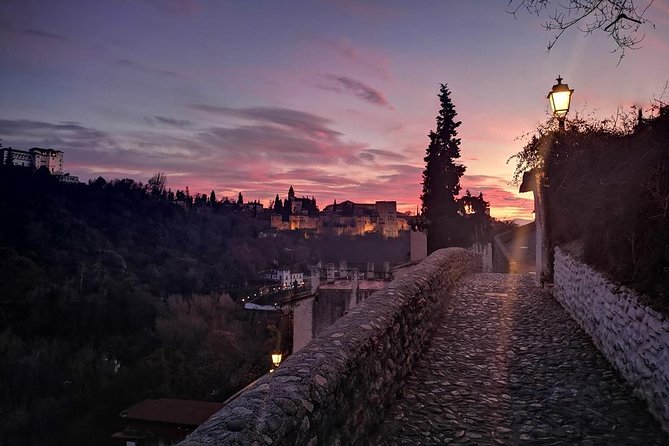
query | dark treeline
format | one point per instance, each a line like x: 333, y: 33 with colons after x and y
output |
x: 116, y: 291
x: 90, y: 315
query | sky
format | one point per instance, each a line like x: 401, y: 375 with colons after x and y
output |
x: 333, y: 97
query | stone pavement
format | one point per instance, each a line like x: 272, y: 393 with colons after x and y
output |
x: 509, y: 366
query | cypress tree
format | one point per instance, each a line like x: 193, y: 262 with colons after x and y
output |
x: 286, y: 210
x: 278, y: 207
x: 441, y: 179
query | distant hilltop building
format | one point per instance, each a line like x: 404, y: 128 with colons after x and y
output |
x: 37, y: 158
x: 301, y: 206
x: 347, y: 218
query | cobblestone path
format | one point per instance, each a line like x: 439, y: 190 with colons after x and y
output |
x: 509, y: 366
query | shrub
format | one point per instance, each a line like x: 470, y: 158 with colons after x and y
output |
x: 607, y: 187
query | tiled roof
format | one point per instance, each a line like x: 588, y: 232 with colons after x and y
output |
x: 173, y: 411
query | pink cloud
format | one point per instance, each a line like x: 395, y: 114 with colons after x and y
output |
x: 261, y: 158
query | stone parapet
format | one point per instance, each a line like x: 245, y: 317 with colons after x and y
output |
x: 633, y: 337
x: 337, y: 389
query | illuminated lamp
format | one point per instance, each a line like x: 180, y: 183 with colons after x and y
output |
x: 560, y: 99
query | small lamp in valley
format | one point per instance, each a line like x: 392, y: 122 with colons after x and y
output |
x: 560, y: 99
x: 276, y: 359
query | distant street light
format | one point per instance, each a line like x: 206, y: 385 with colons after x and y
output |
x: 560, y: 99
x: 276, y: 359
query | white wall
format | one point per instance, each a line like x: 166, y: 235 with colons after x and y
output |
x: 302, y: 323
x: 418, y: 246
x: 633, y: 337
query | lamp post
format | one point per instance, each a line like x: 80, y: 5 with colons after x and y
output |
x: 276, y: 360
x: 560, y: 99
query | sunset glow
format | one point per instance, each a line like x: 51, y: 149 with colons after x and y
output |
x: 335, y: 98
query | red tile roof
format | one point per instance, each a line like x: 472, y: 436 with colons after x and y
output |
x: 173, y: 411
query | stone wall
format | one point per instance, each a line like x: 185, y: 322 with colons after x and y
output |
x: 337, y: 388
x: 633, y: 337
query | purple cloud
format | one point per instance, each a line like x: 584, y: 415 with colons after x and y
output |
x: 387, y: 154
x: 315, y: 176
x: 305, y: 122
x: 26, y: 133
x: 32, y: 32
x: 43, y: 34
x: 366, y: 156
x: 171, y: 122
x: 343, y: 84
x: 141, y: 67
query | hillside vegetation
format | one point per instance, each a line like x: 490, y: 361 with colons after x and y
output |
x: 90, y: 315
x: 113, y: 292
x: 607, y: 188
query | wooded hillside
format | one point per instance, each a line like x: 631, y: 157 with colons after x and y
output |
x: 90, y: 318
x: 113, y: 292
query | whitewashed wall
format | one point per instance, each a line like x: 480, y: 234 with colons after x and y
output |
x: 633, y: 337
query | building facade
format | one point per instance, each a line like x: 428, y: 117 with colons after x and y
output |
x: 346, y: 218
x: 285, y: 277
x: 17, y: 158
x: 69, y: 179
x: 349, y: 218
x: 35, y: 158
x: 49, y: 158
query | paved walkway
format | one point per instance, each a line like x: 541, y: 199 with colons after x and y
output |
x: 509, y: 366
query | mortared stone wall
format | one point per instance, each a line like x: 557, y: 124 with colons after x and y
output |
x: 336, y: 390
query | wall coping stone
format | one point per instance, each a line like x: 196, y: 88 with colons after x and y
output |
x: 336, y: 389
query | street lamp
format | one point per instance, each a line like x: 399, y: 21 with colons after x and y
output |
x: 276, y: 358
x: 560, y: 98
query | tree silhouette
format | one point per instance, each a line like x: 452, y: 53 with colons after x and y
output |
x: 475, y: 213
x: 240, y: 199
x: 156, y: 184
x: 286, y: 210
x: 278, y: 207
x: 441, y: 178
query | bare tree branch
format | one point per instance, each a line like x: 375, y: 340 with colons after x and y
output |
x: 622, y: 20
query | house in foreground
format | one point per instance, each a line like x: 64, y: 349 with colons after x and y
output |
x: 163, y: 421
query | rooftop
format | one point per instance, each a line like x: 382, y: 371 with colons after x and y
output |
x: 173, y: 411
